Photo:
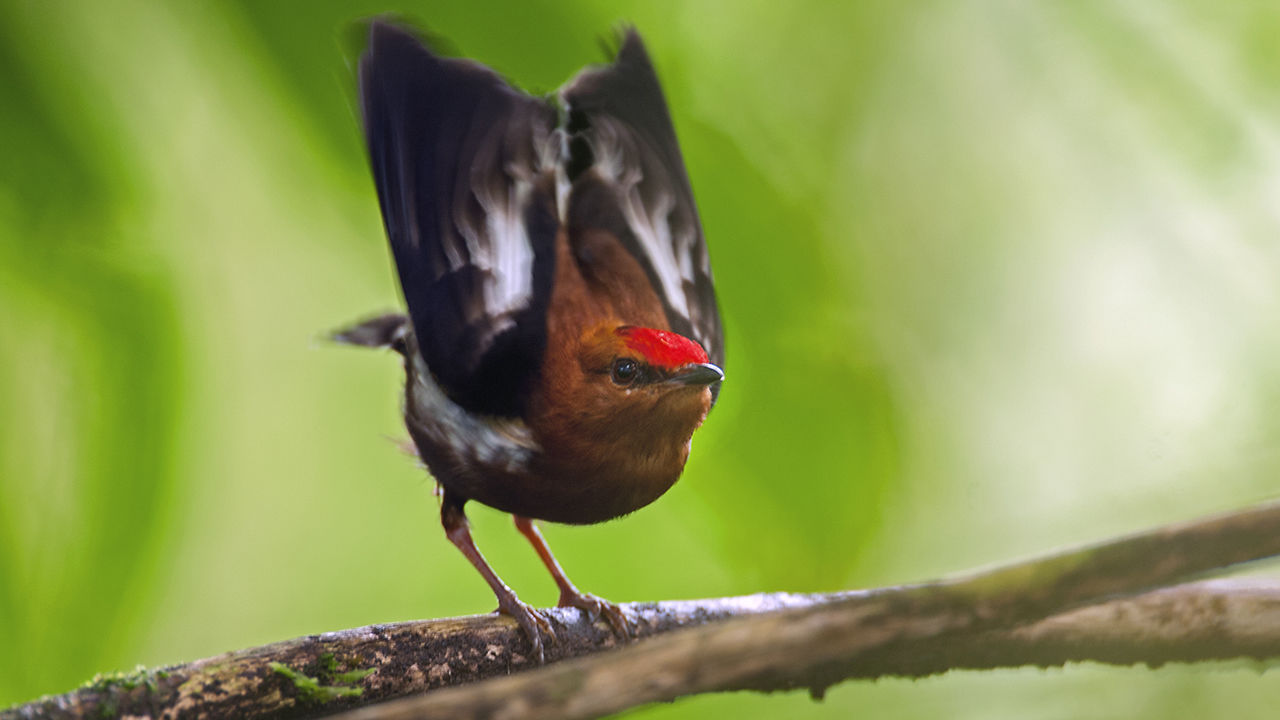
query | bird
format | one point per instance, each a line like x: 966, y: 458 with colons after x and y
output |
x: 563, y: 339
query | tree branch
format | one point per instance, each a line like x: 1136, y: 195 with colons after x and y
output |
x: 1192, y: 623
x: 990, y: 619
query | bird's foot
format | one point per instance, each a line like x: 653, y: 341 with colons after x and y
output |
x: 536, y: 626
x: 595, y: 607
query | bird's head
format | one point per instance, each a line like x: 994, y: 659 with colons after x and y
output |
x: 633, y: 397
x: 647, y: 369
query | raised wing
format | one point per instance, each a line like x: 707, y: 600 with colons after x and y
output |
x: 620, y: 134
x: 464, y: 167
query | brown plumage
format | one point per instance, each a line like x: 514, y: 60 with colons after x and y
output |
x: 563, y: 342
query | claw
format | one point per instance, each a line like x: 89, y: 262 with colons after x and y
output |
x: 594, y: 607
x: 536, y: 626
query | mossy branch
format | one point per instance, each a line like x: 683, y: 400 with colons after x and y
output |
x: 1076, y: 605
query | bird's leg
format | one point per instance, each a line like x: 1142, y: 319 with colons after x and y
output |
x: 534, y: 623
x: 571, y: 596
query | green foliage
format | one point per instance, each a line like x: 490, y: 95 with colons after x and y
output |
x: 139, y: 677
x: 328, y: 684
x: 122, y: 681
x: 997, y: 277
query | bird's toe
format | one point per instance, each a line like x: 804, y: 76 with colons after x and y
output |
x: 536, y: 626
x: 595, y: 607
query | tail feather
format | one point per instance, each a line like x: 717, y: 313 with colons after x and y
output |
x: 376, y: 332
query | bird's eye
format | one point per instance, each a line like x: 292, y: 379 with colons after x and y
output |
x: 624, y: 371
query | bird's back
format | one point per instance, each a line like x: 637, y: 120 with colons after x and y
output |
x: 476, y: 181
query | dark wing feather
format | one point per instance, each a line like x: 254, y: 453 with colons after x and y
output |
x: 621, y: 135
x: 464, y: 166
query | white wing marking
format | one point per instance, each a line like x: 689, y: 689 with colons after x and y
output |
x: 503, y: 443
x: 672, y: 257
x: 501, y: 249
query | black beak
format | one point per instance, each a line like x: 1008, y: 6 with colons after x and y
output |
x: 697, y: 375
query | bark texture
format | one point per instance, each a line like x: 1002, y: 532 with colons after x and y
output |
x: 1075, y: 605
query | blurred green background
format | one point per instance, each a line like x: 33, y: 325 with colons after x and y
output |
x: 997, y: 277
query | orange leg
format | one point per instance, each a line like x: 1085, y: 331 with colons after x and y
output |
x: 571, y: 596
x: 534, y: 623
